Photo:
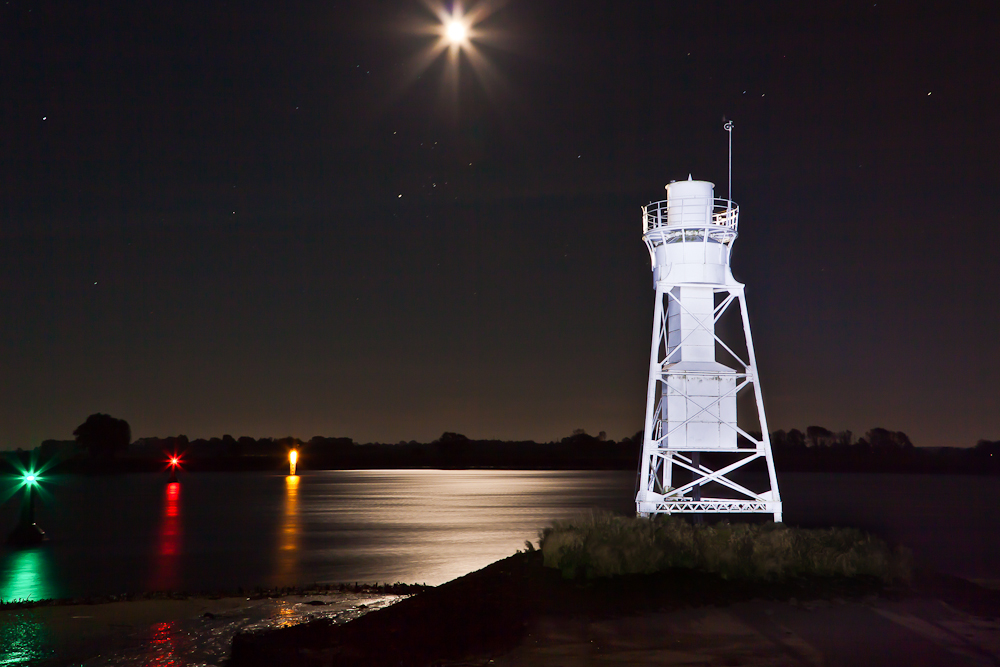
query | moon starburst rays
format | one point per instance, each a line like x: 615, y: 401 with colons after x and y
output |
x: 457, y: 31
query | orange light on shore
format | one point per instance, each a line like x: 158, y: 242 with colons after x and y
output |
x: 293, y: 458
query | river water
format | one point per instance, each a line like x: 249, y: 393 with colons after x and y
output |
x: 219, y: 531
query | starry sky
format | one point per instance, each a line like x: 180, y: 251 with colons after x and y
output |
x: 290, y: 218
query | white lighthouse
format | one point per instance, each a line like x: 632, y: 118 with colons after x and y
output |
x: 691, y: 397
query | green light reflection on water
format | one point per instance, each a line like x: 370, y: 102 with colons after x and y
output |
x: 24, y: 575
x: 23, y: 639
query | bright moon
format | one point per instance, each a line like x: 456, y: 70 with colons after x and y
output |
x: 453, y: 35
x: 456, y: 32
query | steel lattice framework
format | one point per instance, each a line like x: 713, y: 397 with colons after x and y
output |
x: 691, y: 398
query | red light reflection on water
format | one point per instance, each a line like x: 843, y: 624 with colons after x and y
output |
x: 172, y: 510
x: 163, y: 646
x: 168, y: 550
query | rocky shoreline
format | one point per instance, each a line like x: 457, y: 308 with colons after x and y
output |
x: 255, y: 593
x: 516, y: 612
x: 488, y: 613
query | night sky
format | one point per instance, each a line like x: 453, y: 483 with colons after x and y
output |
x: 278, y: 218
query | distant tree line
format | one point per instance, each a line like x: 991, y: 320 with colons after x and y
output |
x: 579, y: 451
x: 879, y: 450
x: 102, y: 445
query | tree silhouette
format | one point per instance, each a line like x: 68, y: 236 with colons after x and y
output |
x: 884, y: 439
x: 817, y: 436
x: 103, y: 435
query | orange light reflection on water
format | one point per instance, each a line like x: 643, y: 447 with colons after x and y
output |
x: 289, y: 536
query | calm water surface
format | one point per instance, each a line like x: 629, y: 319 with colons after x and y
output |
x: 225, y: 530
x: 220, y: 531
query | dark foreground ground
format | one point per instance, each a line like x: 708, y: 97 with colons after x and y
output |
x: 516, y: 612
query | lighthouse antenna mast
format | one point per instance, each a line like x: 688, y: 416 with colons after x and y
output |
x: 729, y: 128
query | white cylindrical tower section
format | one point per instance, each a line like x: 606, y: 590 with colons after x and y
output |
x: 690, y: 202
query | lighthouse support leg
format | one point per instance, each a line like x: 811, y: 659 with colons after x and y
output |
x: 764, y: 446
x: 648, y: 471
x: 656, y: 494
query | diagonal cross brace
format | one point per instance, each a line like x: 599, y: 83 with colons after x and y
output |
x: 716, y: 401
x: 714, y: 476
x: 725, y: 481
x: 716, y: 314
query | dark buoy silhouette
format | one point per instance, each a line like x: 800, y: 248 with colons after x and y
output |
x: 27, y: 532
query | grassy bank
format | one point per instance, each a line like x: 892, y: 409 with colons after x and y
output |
x: 601, y: 544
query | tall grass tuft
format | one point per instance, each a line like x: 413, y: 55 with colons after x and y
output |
x: 602, y: 544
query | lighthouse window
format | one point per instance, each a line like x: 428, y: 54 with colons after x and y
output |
x: 685, y: 236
